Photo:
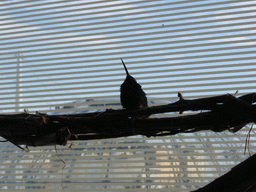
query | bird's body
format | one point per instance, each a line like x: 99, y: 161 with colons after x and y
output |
x: 132, y: 96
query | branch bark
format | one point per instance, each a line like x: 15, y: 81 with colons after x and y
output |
x: 223, y: 112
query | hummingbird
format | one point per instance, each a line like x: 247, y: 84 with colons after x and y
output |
x: 132, y: 96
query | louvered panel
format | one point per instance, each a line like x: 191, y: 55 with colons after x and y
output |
x: 63, y: 57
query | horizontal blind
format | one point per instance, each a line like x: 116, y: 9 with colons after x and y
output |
x: 63, y: 57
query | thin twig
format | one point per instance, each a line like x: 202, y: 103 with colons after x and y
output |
x: 62, y: 167
x: 247, y: 141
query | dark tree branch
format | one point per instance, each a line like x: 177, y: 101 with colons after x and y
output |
x: 241, y: 178
x: 223, y: 112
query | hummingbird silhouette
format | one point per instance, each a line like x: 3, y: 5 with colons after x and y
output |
x: 132, y: 96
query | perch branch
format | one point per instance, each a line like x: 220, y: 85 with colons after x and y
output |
x: 225, y: 112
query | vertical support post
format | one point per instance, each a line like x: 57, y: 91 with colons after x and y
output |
x: 18, y: 83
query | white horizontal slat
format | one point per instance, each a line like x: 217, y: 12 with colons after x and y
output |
x: 194, y: 162
x: 154, y: 60
x: 116, y: 87
x: 105, y: 69
x: 166, y: 92
x: 192, y: 78
x: 97, y: 8
x: 220, y: 24
x: 205, y: 17
x: 160, y: 165
x: 170, y: 34
x: 244, y: 55
x: 200, y: 48
x: 154, y: 140
x: 76, y: 6
x: 189, y: 28
x: 113, y: 42
x: 164, y: 84
x: 216, y: 30
x: 114, y: 174
x: 164, y: 151
x: 94, y: 84
x: 117, y: 180
x: 128, y: 171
